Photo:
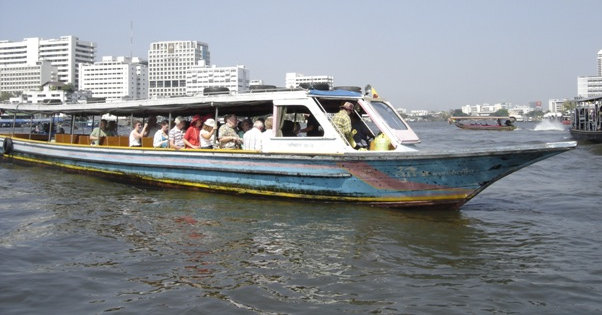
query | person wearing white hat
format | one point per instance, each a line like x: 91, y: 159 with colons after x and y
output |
x: 208, y: 134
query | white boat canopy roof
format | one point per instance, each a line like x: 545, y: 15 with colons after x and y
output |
x: 177, y: 105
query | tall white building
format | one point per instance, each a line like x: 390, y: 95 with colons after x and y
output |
x: 115, y: 78
x: 590, y: 86
x: 198, y: 77
x: 294, y: 80
x: 168, y: 63
x: 16, y: 78
x: 65, y: 53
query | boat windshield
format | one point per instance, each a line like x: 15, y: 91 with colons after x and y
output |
x: 389, y: 116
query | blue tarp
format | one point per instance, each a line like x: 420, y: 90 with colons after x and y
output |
x: 343, y: 93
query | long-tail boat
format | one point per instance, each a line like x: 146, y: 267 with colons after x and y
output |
x: 484, y: 122
x: 323, y: 167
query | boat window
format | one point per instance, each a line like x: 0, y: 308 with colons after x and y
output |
x: 389, y: 115
x: 297, y: 121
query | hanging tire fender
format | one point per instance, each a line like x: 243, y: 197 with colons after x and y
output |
x: 7, y: 146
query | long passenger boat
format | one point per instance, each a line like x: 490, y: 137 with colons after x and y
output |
x: 326, y: 167
x: 587, y: 120
x: 484, y: 123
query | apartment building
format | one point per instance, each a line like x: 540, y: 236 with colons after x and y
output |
x: 16, y: 78
x: 199, y: 77
x: 65, y: 53
x: 168, y: 63
x: 115, y: 78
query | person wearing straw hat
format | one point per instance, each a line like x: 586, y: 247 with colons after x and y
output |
x: 342, y: 120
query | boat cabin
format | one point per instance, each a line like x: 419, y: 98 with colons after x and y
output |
x: 371, y: 118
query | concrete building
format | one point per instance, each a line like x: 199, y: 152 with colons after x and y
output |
x: 199, y: 77
x: 419, y: 113
x: 168, y: 63
x: 556, y: 105
x: 16, y: 78
x: 51, y: 93
x: 255, y: 82
x: 294, y: 80
x: 115, y: 78
x: 65, y: 53
x: 590, y: 86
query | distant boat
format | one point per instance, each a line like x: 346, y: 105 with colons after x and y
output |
x: 587, y: 120
x: 484, y: 123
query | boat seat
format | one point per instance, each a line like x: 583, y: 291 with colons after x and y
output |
x: 83, y: 139
x: 147, y: 142
x: 65, y: 138
x: 124, y: 141
x: 112, y: 141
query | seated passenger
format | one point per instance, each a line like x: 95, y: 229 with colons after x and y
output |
x: 153, y: 126
x: 288, y: 128
x: 191, y: 137
x: 161, y: 139
x: 99, y: 132
x: 228, y: 138
x: 112, y: 128
x: 313, y: 128
x: 137, y: 134
x: 176, y: 135
x: 252, y: 140
x: 243, y: 127
x: 268, y: 133
x: 208, y: 134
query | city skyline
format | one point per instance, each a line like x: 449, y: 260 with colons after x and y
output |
x: 437, y: 55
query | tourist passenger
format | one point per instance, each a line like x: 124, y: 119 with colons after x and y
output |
x: 161, y: 139
x: 252, y: 140
x: 112, y: 128
x: 288, y: 127
x: 192, y: 135
x: 313, y: 127
x: 137, y: 134
x: 99, y: 132
x: 268, y: 133
x: 153, y: 127
x: 176, y: 135
x: 208, y: 134
x: 342, y: 121
x: 228, y: 138
x: 243, y: 127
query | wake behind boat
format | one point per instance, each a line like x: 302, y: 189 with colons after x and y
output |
x: 386, y: 170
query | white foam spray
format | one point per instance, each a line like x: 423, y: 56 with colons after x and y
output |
x: 547, y: 124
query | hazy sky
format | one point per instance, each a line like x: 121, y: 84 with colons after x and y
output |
x: 418, y: 54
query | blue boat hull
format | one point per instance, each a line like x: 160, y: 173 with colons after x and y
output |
x: 386, y: 178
